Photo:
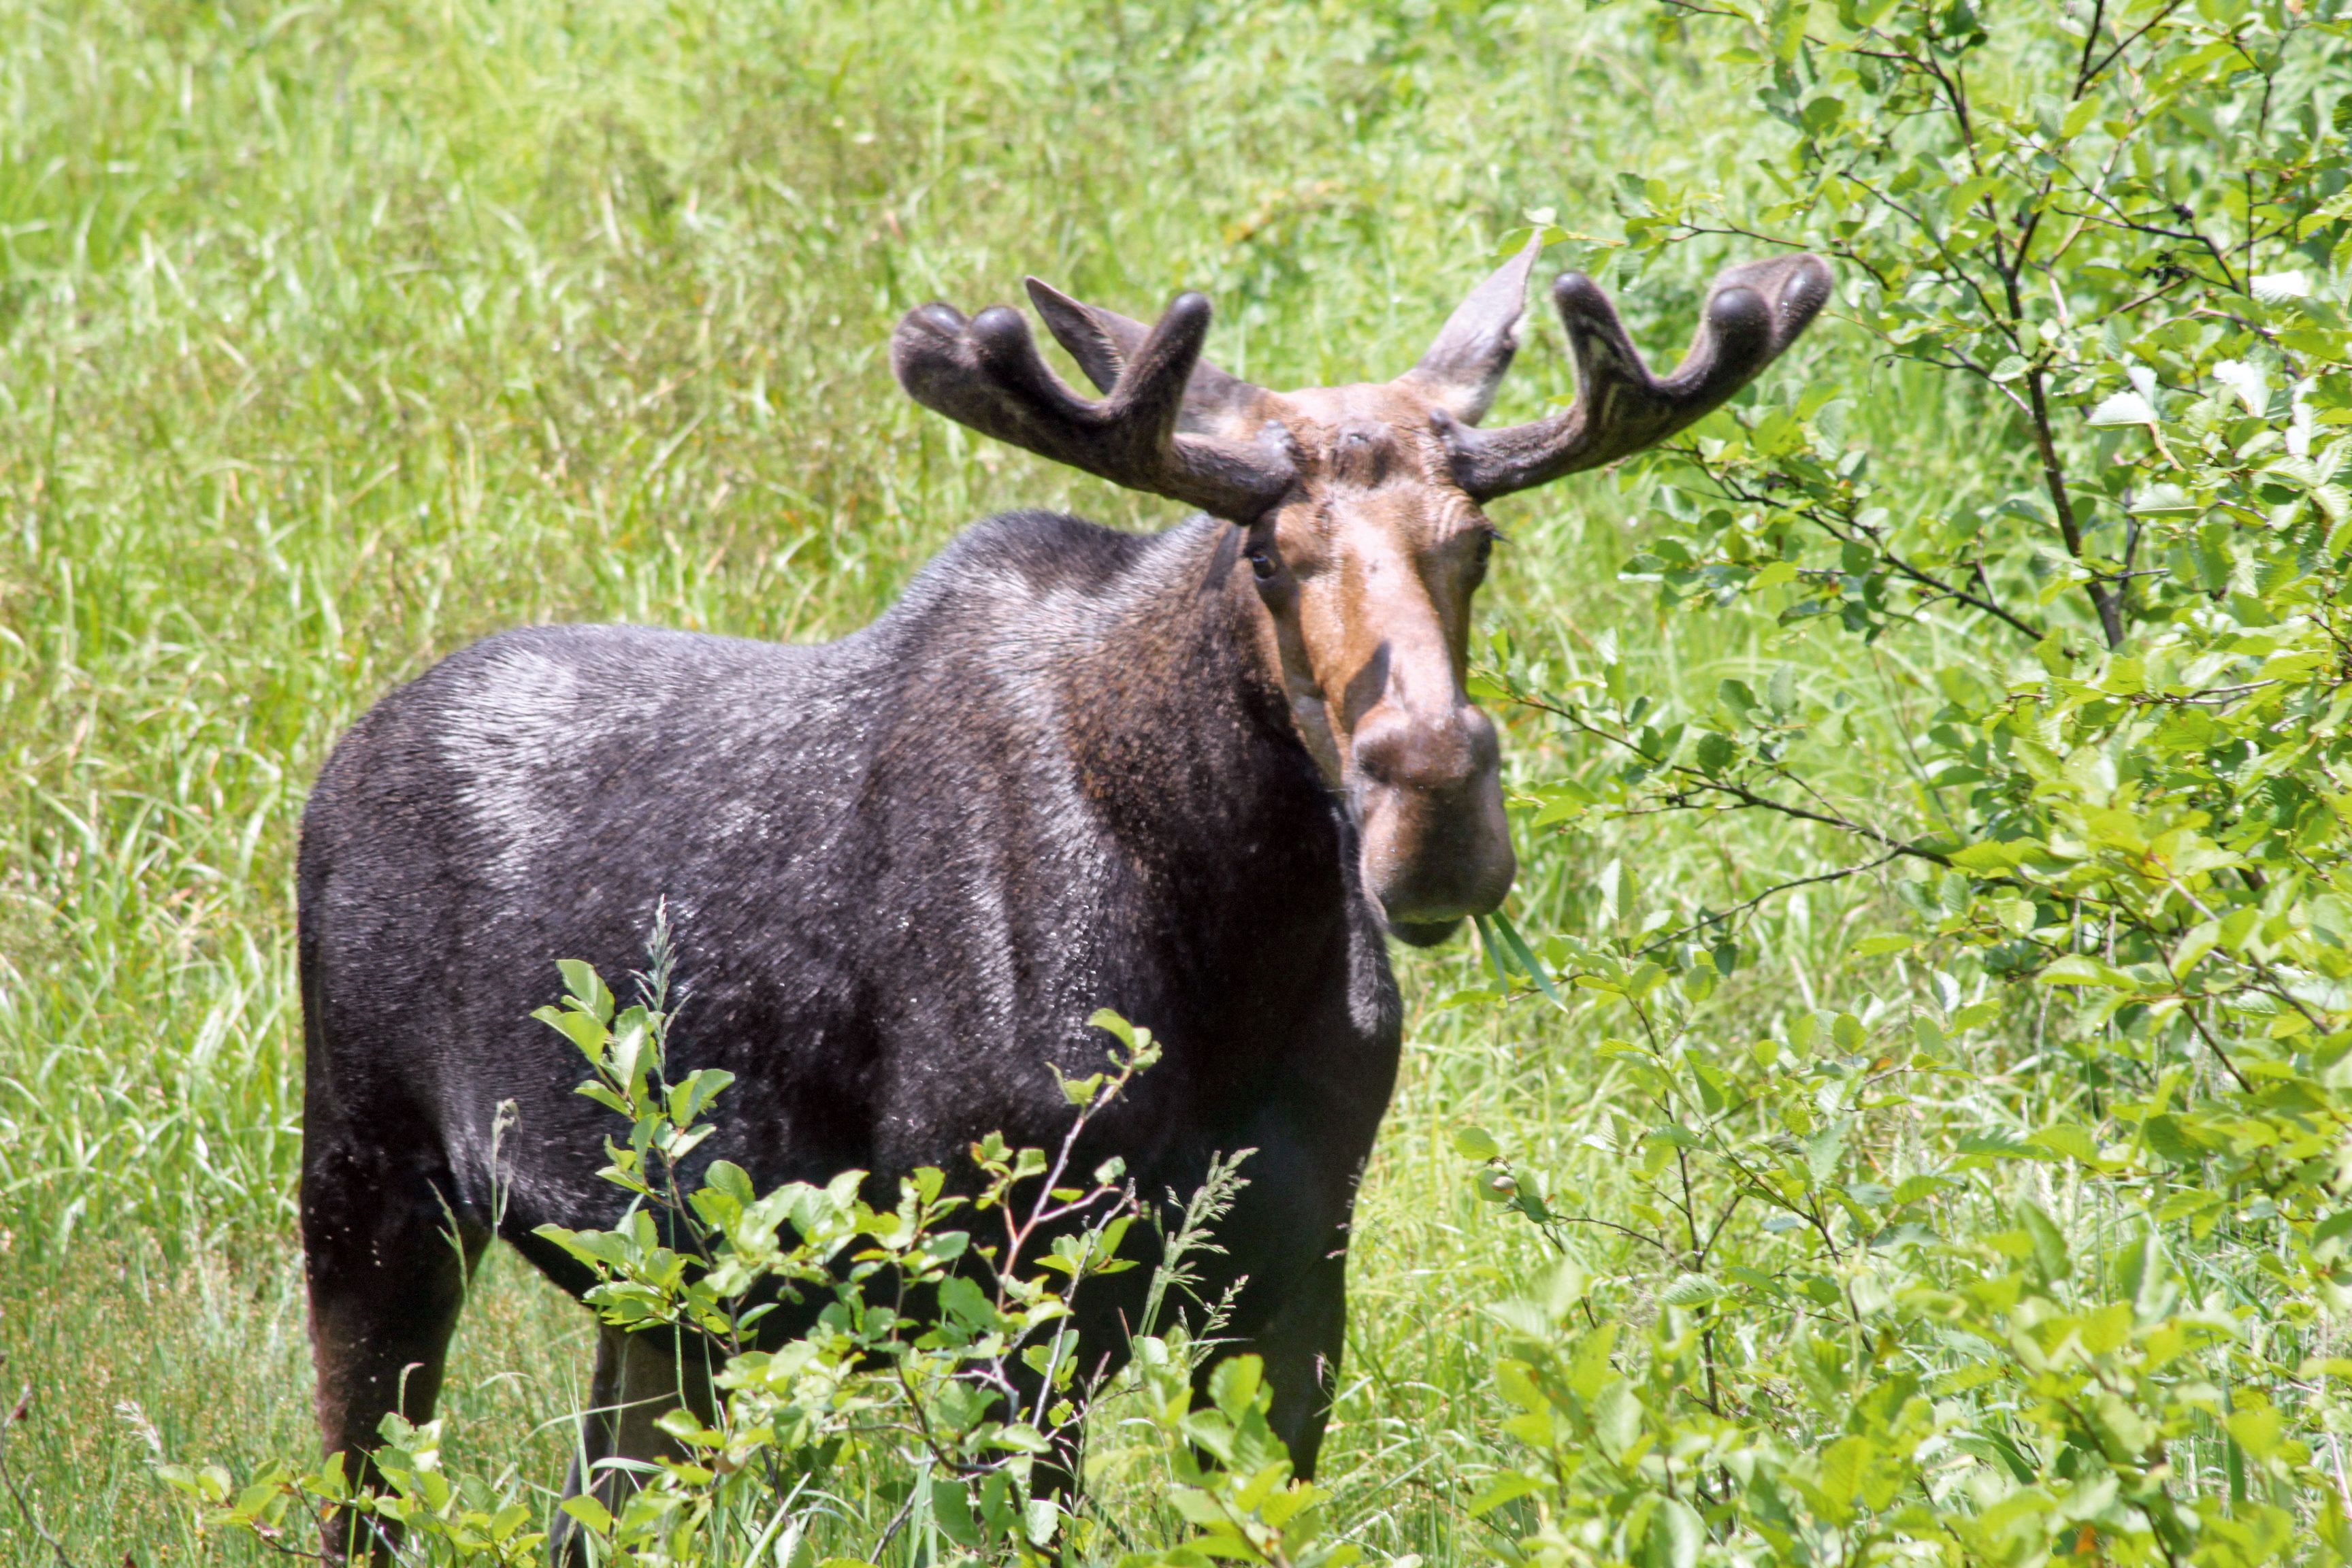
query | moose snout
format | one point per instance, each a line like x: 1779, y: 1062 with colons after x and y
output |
x: 1429, y: 798
x: 1396, y: 749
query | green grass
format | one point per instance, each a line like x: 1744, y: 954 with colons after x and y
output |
x: 337, y: 336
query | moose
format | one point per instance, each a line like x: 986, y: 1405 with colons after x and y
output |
x: 1198, y: 777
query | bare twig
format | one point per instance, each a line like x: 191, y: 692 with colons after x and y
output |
x: 24, y: 1408
x: 1693, y: 781
x: 2086, y: 77
x: 1772, y: 892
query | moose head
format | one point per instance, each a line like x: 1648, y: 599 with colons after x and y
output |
x: 1358, y: 511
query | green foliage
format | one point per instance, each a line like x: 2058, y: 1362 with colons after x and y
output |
x: 1230, y: 1477
x: 2125, y: 822
x: 457, y: 1518
x: 339, y: 336
x: 951, y: 1359
x: 955, y: 1358
x: 1828, y: 1366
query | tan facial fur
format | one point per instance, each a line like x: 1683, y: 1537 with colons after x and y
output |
x: 1366, y: 572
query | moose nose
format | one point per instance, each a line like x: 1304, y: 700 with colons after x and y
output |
x: 1396, y: 749
x: 1429, y: 802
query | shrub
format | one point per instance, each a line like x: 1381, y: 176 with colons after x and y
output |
x: 949, y: 1359
x: 1857, y: 1332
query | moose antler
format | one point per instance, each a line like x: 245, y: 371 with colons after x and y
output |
x: 986, y: 372
x: 1755, y: 310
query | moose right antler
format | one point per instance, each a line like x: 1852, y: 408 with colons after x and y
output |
x: 986, y: 372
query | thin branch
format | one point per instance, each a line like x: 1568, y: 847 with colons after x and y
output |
x: 1608, y: 1224
x: 24, y: 1504
x: 1986, y: 602
x: 2215, y: 1046
x: 2090, y: 42
x: 2104, y: 599
x: 2083, y: 81
x: 1696, y: 780
x: 1714, y: 1234
x: 1772, y: 892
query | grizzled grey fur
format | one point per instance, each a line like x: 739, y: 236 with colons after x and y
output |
x: 904, y: 868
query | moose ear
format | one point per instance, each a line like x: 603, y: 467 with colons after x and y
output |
x: 1465, y: 365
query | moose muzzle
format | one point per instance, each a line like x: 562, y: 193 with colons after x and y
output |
x: 1428, y: 792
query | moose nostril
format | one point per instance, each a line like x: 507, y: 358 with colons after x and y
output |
x: 1402, y: 750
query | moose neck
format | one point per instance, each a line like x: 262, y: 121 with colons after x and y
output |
x: 1182, y: 742
x: 1180, y: 728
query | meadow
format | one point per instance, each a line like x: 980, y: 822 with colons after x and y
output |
x: 338, y: 335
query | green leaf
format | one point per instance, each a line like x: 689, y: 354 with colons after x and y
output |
x: 1233, y: 1387
x: 585, y: 988
x: 585, y: 1509
x: 1841, y: 1471
x: 1617, y: 1419
x: 2067, y: 1140
x: 1691, y: 1290
x: 2049, y: 1245
x: 581, y: 1029
x: 2123, y: 408
x: 2081, y: 969
x: 2257, y: 1429
x: 1823, y: 1150
x: 1508, y: 1487
x: 1476, y: 1144
x: 1522, y: 956
x: 1676, y: 1535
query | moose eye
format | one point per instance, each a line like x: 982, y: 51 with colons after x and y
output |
x: 1482, y: 549
x: 1260, y: 563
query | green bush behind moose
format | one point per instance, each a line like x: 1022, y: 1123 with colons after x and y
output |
x: 1917, y: 1093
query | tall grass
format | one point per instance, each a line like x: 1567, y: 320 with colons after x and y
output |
x: 338, y: 335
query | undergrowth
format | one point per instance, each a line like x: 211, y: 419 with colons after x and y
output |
x: 1910, y: 1128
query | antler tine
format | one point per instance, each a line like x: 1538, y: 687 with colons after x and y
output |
x: 1754, y: 312
x: 1102, y: 342
x: 987, y: 372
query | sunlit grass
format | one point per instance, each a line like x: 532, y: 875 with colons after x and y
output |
x: 339, y: 336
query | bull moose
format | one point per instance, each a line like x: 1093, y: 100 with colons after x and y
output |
x: 1198, y: 777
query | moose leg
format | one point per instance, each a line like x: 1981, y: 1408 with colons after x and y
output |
x: 639, y: 1379
x: 1301, y: 1347
x: 387, y: 1261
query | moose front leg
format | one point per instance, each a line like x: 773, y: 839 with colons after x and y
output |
x: 639, y: 1379
x: 1301, y: 1346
